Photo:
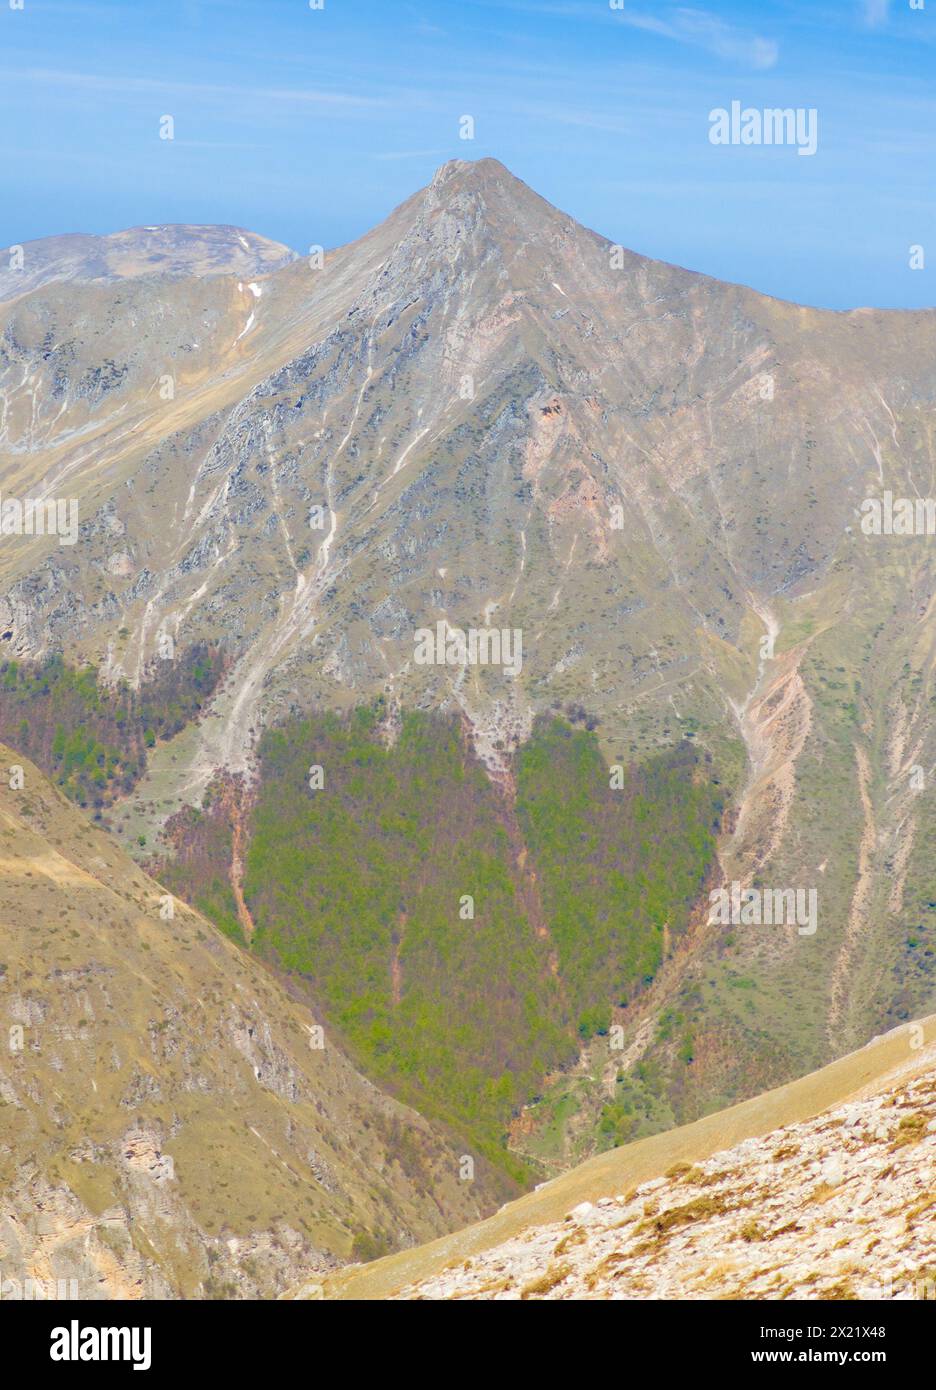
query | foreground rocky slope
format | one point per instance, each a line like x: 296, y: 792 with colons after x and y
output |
x: 841, y: 1207
x: 822, y: 1189
x: 172, y: 1123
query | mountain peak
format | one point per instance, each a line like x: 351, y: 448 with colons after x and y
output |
x: 480, y: 176
x: 474, y: 170
x: 485, y: 194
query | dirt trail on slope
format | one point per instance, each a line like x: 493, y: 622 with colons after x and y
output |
x: 858, y: 912
x: 775, y: 722
x: 238, y: 850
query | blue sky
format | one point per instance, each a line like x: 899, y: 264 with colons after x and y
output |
x: 310, y: 125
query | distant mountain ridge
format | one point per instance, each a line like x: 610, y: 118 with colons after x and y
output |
x: 176, y: 250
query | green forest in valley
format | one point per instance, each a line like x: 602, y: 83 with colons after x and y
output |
x: 359, y: 887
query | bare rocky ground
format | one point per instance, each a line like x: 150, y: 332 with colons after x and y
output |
x: 840, y: 1207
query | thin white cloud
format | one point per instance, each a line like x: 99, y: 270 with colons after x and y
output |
x: 876, y: 12
x: 407, y: 154
x: 703, y: 30
x: 114, y: 84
